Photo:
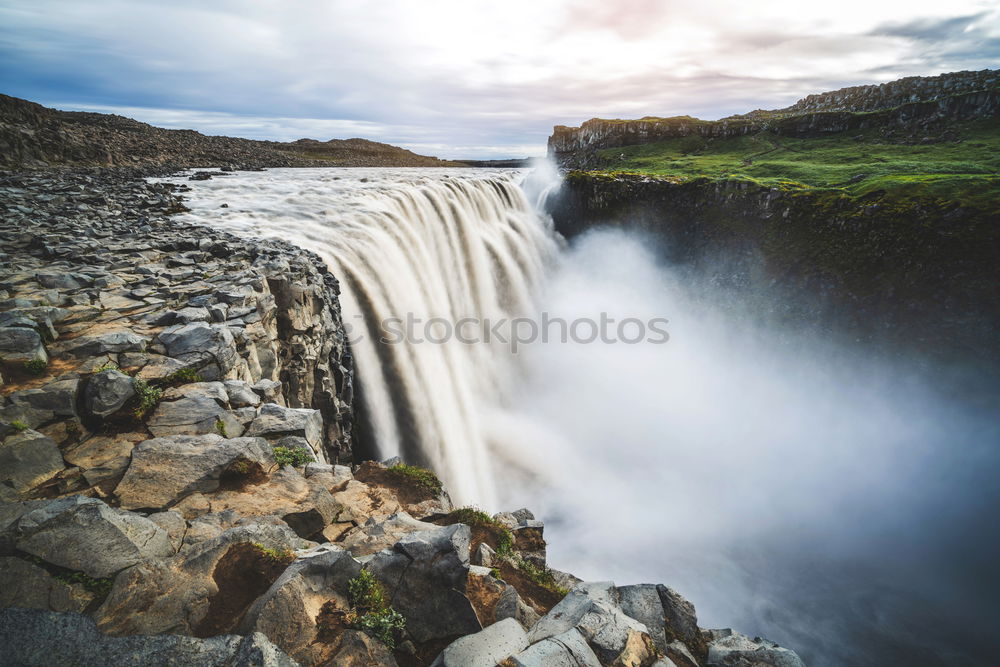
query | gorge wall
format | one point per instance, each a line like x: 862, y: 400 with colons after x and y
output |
x: 918, y: 272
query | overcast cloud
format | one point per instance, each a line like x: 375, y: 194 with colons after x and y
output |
x: 467, y: 78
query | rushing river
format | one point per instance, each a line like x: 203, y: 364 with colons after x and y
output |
x: 789, y: 486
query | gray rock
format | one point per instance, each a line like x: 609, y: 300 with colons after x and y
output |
x: 109, y: 342
x: 57, y: 280
x: 510, y: 605
x: 34, y: 637
x: 57, y: 397
x: 27, y: 459
x: 425, y: 576
x: 85, y: 534
x: 274, y: 421
x: 194, y: 415
x: 21, y: 345
x: 165, y: 470
x: 106, y: 393
x: 202, y: 341
x: 485, y: 648
x: 568, y: 649
x: 727, y: 648
x: 268, y: 390
x: 241, y: 394
x: 213, y: 390
x: 25, y: 585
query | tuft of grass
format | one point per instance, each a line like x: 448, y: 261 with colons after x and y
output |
x: 36, y: 366
x: 110, y: 366
x: 371, y: 612
x: 19, y: 425
x: 292, y: 456
x: 473, y: 516
x: 183, y: 376
x: 541, y: 576
x: 149, y: 397
x: 420, y: 476
x: 220, y: 428
x: 276, y: 555
x: 98, y: 586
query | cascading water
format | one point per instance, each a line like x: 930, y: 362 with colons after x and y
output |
x: 431, y: 249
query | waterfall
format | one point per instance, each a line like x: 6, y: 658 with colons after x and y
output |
x: 408, y: 243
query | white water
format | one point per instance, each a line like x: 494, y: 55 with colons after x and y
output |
x: 432, y: 243
x: 787, y: 485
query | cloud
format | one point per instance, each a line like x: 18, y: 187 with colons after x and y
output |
x: 467, y: 76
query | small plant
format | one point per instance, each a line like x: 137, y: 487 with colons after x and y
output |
x: 241, y: 466
x: 292, y: 456
x: 541, y: 576
x: 220, y: 428
x: 421, y: 476
x: 277, y: 555
x: 19, y: 425
x: 148, y: 397
x: 495, y: 573
x: 183, y: 376
x: 110, y: 366
x: 36, y: 366
x: 372, y: 613
x: 99, y: 587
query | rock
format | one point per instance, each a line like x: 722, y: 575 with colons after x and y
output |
x: 274, y: 421
x: 483, y: 555
x: 287, y: 612
x: 358, y: 649
x: 375, y: 535
x: 173, y: 523
x: 165, y: 470
x: 27, y: 459
x: 268, y: 390
x: 241, y: 394
x: 58, y: 397
x: 25, y: 585
x: 85, y: 534
x: 33, y: 637
x: 204, y: 343
x: 732, y: 649
x: 510, y: 605
x: 176, y: 594
x: 568, y: 649
x: 21, y: 345
x: 666, y: 614
x: 57, y: 280
x: 193, y: 415
x: 213, y: 390
x: 108, y: 342
x: 106, y: 393
x: 485, y: 648
x: 593, y: 609
x: 425, y: 576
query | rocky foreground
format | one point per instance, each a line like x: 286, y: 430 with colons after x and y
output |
x: 176, y: 478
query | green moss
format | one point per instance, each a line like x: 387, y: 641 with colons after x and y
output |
x: 220, y: 428
x: 183, y: 376
x: 36, y: 366
x: 421, y: 476
x: 541, y: 576
x: 472, y: 516
x: 292, y: 456
x: 19, y: 425
x: 276, y: 555
x: 371, y: 611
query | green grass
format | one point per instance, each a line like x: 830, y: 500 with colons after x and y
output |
x: 19, y: 425
x: 292, y: 456
x: 421, y: 476
x: 371, y: 611
x: 276, y: 555
x: 856, y: 163
x: 472, y: 516
x: 36, y: 366
x: 149, y: 397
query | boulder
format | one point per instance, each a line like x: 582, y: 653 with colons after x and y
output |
x: 23, y: 584
x: 376, y: 535
x: 34, y: 637
x: 85, y: 534
x: 727, y: 648
x: 288, y: 611
x: 665, y: 613
x: 241, y: 394
x: 485, y: 648
x: 106, y: 393
x: 567, y: 649
x: 274, y: 421
x: 106, y: 342
x: 57, y: 398
x: 21, y: 345
x: 425, y: 576
x: 27, y: 459
x: 202, y: 343
x: 165, y: 470
x: 193, y: 415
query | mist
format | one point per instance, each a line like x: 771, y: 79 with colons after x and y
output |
x: 788, y: 484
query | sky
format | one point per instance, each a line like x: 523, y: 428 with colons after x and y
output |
x: 467, y: 78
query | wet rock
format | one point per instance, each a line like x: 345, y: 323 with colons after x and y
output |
x: 85, y: 534
x: 165, y: 470
x: 27, y: 459
x: 33, y: 637
x: 106, y: 393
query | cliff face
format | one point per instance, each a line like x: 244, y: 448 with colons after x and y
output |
x: 33, y: 136
x: 908, y: 102
x: 919, y: 273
